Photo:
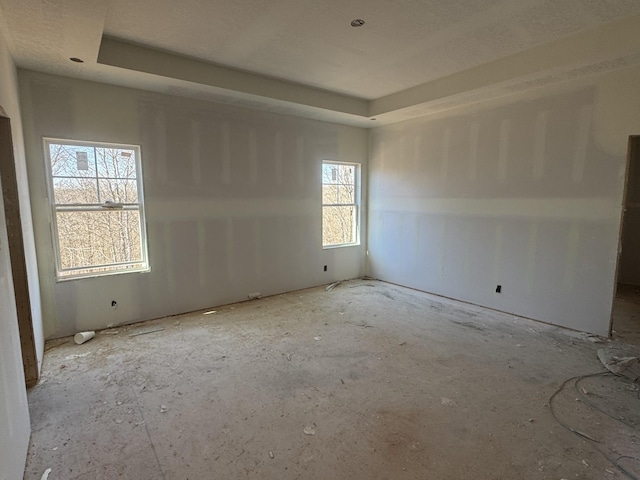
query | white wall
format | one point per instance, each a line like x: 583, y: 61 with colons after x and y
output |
x: 232, y: 200
x: 524, y: 192
x: 10, y: 102
x: 14, y: 413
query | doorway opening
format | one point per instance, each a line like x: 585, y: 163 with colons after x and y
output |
x: 625, y: 319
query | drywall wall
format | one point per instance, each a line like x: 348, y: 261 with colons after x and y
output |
x: 14, y: 412
x: 629, y: 266
x: 232, y: 196
x: 524, y: 192
x: 10, y: 102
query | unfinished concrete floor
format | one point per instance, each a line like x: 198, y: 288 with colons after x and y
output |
x: 367, y: 381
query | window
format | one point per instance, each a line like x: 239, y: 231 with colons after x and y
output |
x: 340, y: 194
x: 95, y: 190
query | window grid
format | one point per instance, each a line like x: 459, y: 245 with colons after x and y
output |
x: 340, y: 207
x: 102, y: 236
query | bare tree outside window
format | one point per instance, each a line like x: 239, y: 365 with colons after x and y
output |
x: 97, y: 208
x: 339, y: 203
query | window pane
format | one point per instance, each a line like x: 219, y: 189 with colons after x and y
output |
x: 346, y: 194
x: 116, y: 163
x: 346, y: 174
x: 75, y: 190
x: 330, y: 194
x: 329, y: 173
x: 92, y: 239
x: 98, y: 238
x: 118, y: 191
x: 338, y: 225
x: 72, y: 161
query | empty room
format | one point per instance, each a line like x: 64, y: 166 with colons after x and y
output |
x: 319, y: 239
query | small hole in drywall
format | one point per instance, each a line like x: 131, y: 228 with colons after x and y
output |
x: 325, y: 268
x: 114, y: 304
x: 76, y: 59
x: 358, y: 22
x: 499, y: 289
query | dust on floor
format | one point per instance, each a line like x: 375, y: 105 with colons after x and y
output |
x: 366, y: 381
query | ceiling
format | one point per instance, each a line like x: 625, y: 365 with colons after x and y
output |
x: 302, y: 57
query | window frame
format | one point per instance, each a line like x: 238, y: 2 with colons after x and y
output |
x: 356, y: 203
x: 67, y: 274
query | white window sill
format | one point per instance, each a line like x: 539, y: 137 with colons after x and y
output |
x: 102, y: 274
x: 341, y: 245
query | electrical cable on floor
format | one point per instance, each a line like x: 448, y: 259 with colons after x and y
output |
x: 588, y: 402
x: 614, y: 461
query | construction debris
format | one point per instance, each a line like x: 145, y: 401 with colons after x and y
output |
x: 594, y: 338
x: 76, y: 355
x: 363, y: 325
x: 82, y: 337
x: 332, y: 286
x: 109, y: 332
x: 144, y: 331
x: 621, y: 362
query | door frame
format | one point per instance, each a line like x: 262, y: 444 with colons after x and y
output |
x: 16, y: 251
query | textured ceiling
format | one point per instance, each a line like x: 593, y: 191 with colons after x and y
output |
x: 302, y: 57
x: 403, y: 43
